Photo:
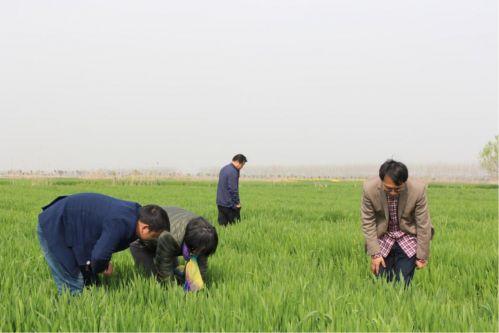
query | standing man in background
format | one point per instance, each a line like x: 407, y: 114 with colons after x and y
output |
x: 229, y: 205
x: 396, y: 222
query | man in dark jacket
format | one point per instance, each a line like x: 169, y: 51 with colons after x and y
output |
x: 229, y: 205
x: 79, y: 233
x: 187, y: 230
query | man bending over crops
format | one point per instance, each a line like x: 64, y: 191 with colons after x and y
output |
x: 396, y: 222
x: 190, y: 236
x: 79, y: 233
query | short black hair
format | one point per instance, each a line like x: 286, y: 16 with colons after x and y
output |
x: 397, y: 171
x: 240, y: 158
x: 155, y: 217
x: 200, y: 235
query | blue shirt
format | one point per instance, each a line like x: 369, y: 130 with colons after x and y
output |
x: 88, y: 227
x: 228, y: 186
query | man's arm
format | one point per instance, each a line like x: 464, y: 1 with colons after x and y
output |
x: 423, y: 227
x: 233, y: 189
x: 368, y: 217
x: 166, y: 257
x: 108, y: 242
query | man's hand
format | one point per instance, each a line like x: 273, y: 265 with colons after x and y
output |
x: 238, y: 205
x: 421, y: 263
x: 375, y: 264
x: 109, y: 270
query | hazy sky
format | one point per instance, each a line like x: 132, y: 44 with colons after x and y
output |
x: 187, y: 84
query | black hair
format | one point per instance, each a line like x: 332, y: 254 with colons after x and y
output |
x: 200, y: 236
x: 240, y: 158
x: 397, y: 171
x: 155, y: 217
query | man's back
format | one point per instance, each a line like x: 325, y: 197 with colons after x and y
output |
x: 168, y: 246
x: 179, y: 218
x: 74, y: 227
x: 227, y: 190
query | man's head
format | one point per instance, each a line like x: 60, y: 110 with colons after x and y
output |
x: 201, y: 237
x: 153, y: 220
x: 393, y: 174
x: 238, y: 161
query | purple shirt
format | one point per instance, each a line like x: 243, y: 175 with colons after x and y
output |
x: 407, y: 242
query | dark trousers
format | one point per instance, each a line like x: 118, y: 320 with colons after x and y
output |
x: 398, y: 262
x: 143, y: 257
x: 228, y: 215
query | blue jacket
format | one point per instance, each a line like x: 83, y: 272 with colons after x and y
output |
x: 228, y: 186
x: 88, y: 227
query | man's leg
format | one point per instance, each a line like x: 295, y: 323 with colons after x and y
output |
x: 223, y: 219
x: 237, y: 214
x: 63, y: 280
x: 233, y: 215
x: 404, y: 265
x: 143, y: 257
x: 388, y: 270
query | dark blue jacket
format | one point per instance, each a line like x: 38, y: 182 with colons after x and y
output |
x: 88, y: 227
x: 228, y: 186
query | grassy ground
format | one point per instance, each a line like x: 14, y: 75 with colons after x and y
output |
x: 295, y: 263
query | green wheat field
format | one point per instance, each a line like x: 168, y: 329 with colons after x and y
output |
x: 295, y: 263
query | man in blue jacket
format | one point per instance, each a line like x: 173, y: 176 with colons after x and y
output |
x: 79, y: 233
x: 229, y: 205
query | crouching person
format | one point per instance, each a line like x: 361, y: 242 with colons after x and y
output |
x: 396, y: 223
x: 190, y: 236
x: 79, y: 233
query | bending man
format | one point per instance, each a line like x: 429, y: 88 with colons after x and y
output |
x: 396, y: 222
x: 79, y: 233
x: 189, y: 235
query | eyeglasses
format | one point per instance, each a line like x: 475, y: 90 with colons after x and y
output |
x: 396, y: 189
